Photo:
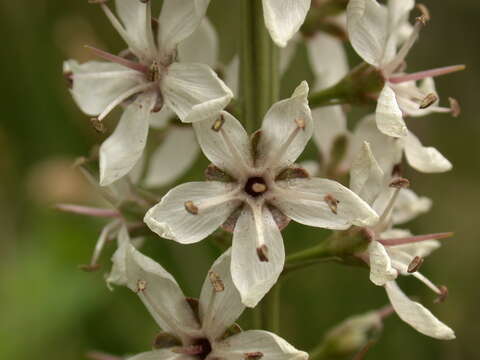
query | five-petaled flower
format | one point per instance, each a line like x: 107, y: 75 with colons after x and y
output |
x: 146, y: 78
x: 261, y: 190
x: 203, y: 329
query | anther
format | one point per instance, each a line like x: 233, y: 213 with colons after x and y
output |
x: 425, y: 14
x: 415, y: 264
x: 98, y: 125
x: 141, y: 286
x: 443, y: 294
x: 259, y: 187
x: 89, y: 267
x: 257, y: 355
x: 262, y: 253
x: 300, y: 123
x: 428, y: 101
x: 216, y: 281
x: 191, y: 208
x: 217, y: 125
x: 399, y: 183
x: 454, y: 107
x: 332, y: 203
x: 154, y: 72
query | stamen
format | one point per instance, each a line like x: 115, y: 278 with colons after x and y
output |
x: 98, y: 125
x: 426, y: 74
x: 217, y: 125
x: 102, y: 240
x: 262, y: 249
x: 262, y: 253
x: 427, y: 282
x: 257, y: 355
x: 415, y: 264
x: 119, y: 60
x: 141, y: 286
x: 428, y: 100
x: 332, y: 203
x: 398, y: 184
x: 414, y: 239
x: 216, y: 281
x: 189, y: 350
x: 89, y: 211
x: 191, y: 208
x: 454, y: 107
x: 201, y: 205
x: 259, y: 188
x: 443, y: 296
x: 154, y: 72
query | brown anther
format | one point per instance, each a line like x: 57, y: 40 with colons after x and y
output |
x: 217, y: 125
x: 425, y: 14
x: 454, y: 107
x: 443, y: 294
x: 293, y: 173
x: 332, y: 203
x: 191, y: 208
x: 141, y: 286
x: 98, y: 125
x: 259, y: 188
x: 154, y: 72
x: 257, y: 355
x: 262, y: 253
x: 300, y: 123
x: 399, y: 183
x: 428, y: 101
x: 89, y: 267
x: 415, y: 264
x: 216, y: 281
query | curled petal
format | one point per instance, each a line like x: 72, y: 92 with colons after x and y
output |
x: 424, y: 159
x: 388, y: 114
x: 381, y: 270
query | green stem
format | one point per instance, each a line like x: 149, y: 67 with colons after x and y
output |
x: 271, y: 310
x: 259, y: 66
x: 318, y: 353
x: 319, y: 251
x: 333, y: 95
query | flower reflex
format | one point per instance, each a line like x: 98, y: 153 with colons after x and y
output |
x: 203, y: 329
x: 145, y: 78
x: 394, y: 252
x: 376, y: 31
x: 260, y: 192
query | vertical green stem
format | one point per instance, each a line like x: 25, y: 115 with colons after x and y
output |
x: 271, y: 310
x: 259, y: 66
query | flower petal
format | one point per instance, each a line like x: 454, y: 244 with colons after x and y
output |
x: 381, y: 270
x: 97, y: 84
x: 252, y: 277
x: 283, y: 18
x: 232, y: 73
x: 173, y: 157
x: 312, y: 202
x: 388, y: 114
x: 121, y: 151
x: 229, y: 148
x: 416, y: 315
x: 286, y: 130
x: 160, y: 119
x: 424, y: 159
x: 201, y: 46
x: 219, y: 307
x: 160, y: 294
x: 163, y: 354
x: 118, y: 274
x: 409, y: 205
x: 366, y: 176
x: 194, y: 92
x: 270, y: 345
x: 170, y: 219
x: 178, y: 20
x: 367, y: 28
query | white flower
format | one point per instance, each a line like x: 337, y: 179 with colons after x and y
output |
x: 147, y: 78
x: 201, y: 333
x: 283, y: 18
x: 388, y: 150
x: 394, y: 252
x: 376, y: 31
x: 263, y: 191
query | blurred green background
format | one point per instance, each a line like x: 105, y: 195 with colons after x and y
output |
x: 51, y: 310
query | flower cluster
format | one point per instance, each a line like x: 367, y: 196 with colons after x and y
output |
x: 169, y: 79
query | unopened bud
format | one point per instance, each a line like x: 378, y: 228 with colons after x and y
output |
x: 415, y: 264
x: 216, y: 281
x: 262, y: 253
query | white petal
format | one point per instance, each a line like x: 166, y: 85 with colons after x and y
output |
x: 409, y: 205
x: 329, y: 123
x: 399, y: 11
x: 305, y: 201
x: 171, y: 220
x: 328, y: 59
x: 201, y: 46
x: 194, y: 92
x: 173, y: 157
x: 367, y: 29
x: 178, y: 20
x: 366, y: 176
x: 137, y: 20
x: 163, y: 354
x: 270, y: 345
x: 277, y: 148
x: 219, y: 309
x: 96, y: 84
x: 230, y: 148
x: 424, y: 159
x: 387, y: 150
x: 388, y: 114
x: 287, y: 53
x: 416, y: 315
x: 422, y: 249
x: 121, y: 151
x: 381, y: 270
x: 252, y: 277
x: 118, y: 274
x: 283, y: 18
x: 160, y: 119
x: 160, y: 294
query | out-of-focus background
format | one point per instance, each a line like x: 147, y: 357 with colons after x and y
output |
x: 50, y: 309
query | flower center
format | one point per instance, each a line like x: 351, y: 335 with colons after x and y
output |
x: 204, y: 348
x: 255, y: 186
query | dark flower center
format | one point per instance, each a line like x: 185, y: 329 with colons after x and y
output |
x: 255, y: 186
x: 204, y: 348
